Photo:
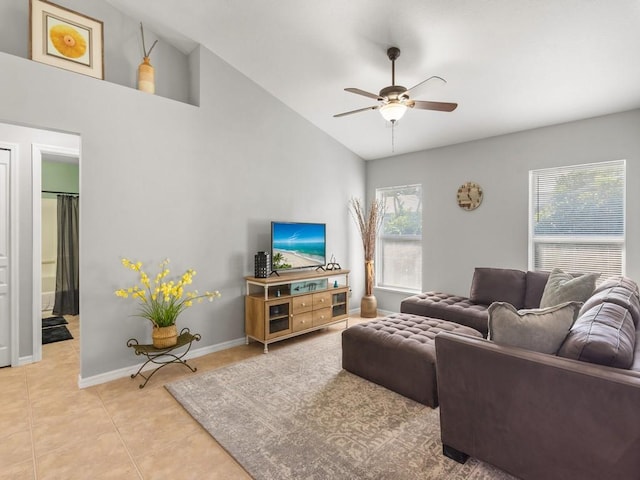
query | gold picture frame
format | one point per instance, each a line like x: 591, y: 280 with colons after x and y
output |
x: 65, y: 39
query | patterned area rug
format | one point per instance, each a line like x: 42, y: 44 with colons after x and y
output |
x: 295, y: 414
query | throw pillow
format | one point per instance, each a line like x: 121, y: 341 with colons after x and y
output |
x: 563, y: 287
x: 542, y: 330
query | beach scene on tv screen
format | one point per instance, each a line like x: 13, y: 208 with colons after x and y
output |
x: 297, y: 245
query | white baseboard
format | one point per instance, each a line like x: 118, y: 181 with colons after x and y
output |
x: 128, y: 371
x: 24, y: 361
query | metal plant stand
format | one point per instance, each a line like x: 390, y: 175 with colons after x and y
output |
x: 163, y: 356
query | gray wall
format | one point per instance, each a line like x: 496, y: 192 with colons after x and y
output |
x: 161, y: 178
x: 455, y: 241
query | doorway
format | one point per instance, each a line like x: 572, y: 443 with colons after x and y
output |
x: 60, y: 270
x: 55, y: 178
x: 26, y: 147
x: 60, y: 196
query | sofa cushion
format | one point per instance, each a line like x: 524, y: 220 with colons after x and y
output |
x: 620, y: 290
x: 541, y: 330
x: 498, y: 285
x: 617, y: 281
x: 536, y: 281
x: 604, y: 334
x: 563, y: 287
x: 446, y: 306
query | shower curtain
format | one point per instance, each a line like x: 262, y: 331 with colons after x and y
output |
x: 67, y: 282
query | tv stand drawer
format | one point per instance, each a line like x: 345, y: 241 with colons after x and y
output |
x: 302, y: 304
x: 322, y: 316
x: 302, y: 321
x: 321, y: 300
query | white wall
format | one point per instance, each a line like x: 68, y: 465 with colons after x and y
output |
x: 160, y: 178
x: 455, y: 241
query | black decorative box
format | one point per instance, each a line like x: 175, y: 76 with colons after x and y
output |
x: 262, y: 265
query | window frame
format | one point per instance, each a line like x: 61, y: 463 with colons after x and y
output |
x: 383, y: 237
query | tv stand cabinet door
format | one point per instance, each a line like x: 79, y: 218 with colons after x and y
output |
x: 277, y: 314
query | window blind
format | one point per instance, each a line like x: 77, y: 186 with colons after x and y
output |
x: 399, y: 250
x: 577, y: 218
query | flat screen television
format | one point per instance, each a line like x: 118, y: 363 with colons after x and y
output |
x: 298, y: 245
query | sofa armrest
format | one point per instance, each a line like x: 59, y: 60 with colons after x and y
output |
x: 536, y: 415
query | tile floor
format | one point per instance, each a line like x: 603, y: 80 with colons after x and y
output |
x: 51, y: 429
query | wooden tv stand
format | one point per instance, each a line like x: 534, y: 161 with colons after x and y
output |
x: 294, y: 303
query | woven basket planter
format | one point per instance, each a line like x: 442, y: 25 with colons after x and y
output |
x: 164, y: 337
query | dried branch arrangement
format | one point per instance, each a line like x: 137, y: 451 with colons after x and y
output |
x: 144, y: 48
x: 368, y: 224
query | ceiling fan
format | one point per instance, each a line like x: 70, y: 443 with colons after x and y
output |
x: 394, y: 100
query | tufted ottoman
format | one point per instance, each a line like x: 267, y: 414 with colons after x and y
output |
x: 398, y: 352
x: 448, y: 307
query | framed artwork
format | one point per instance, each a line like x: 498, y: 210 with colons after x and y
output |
x: 66, y: 39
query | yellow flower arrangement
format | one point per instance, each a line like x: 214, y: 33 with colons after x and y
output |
x: 68, y: 41
x: 163, y: 300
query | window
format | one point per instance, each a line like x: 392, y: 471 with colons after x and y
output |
x: 399, y: 248
x: 577, y: 218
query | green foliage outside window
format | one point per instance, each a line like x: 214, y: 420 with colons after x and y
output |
x: 582, y: 202
x: 403, y: 211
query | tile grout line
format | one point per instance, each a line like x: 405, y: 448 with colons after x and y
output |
x: 76, y: 349
x: 117, y: 430
x: 33, y: 443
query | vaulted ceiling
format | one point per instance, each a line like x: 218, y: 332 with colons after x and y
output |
x: 510, y: 65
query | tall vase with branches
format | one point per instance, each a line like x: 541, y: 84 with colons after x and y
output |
x: 146, y: 72
x: 368, y: 224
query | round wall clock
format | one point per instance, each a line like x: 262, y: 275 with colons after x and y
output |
x: 469, y: 196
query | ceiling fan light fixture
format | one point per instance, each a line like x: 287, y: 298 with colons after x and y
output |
x: 393, y: 111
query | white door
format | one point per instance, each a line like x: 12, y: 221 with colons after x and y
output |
x: 5, y: 320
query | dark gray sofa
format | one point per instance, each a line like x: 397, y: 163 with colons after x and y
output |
x: 573, y: 415
x: 520, y: 289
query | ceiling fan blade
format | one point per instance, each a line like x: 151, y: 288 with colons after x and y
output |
x: 374, y: 107
x: 362, y: 92
x: 434, y: 80
x: 439, y: 106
